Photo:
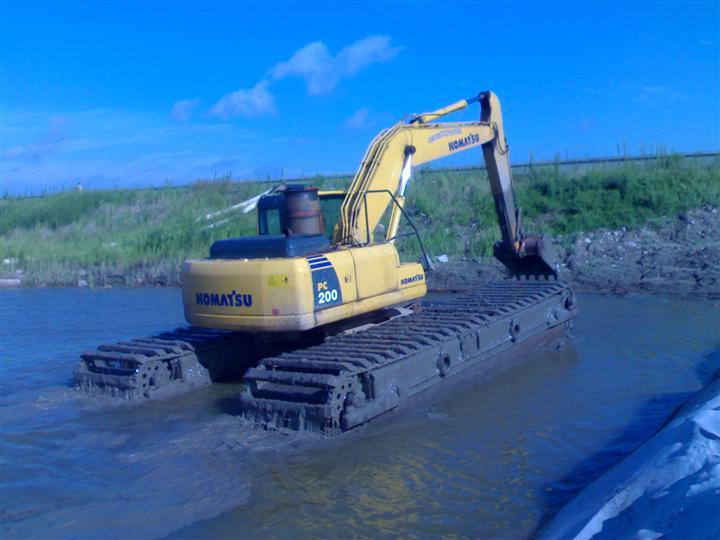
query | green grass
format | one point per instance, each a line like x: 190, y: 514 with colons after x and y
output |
x: 148, y: 233
x: 455, y: 211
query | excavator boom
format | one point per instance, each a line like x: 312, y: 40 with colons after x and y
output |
x: 421, y: 139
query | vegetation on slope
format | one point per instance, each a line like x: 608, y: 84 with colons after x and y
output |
x: 145, y: 234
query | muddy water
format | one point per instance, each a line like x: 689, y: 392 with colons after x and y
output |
x: 479, y: 457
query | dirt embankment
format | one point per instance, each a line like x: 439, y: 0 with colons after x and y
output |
x: 678, y: 256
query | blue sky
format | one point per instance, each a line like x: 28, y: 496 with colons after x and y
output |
x: 140, y: 93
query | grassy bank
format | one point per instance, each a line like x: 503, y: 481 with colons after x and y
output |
x: 144, y: 235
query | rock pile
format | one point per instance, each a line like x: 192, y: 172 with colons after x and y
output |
x: 676, y: 256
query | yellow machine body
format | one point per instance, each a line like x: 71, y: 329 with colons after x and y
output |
x: 297, y: 293
x: 355, y: 271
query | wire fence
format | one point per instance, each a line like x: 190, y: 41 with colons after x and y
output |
x: 547, y: 163
x: 561, y: 163
x: 515, y: 166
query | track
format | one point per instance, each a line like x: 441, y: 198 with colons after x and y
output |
x: 190, y: 357
x: 148, y: 366
x: 354, y: 377
x: 332, y: 384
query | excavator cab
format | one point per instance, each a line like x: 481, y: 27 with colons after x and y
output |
x: 298, y: 209
x: 292, y: 209
x: 290, y: 223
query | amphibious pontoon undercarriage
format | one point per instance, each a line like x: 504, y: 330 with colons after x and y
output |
x: 338, y: 383
x: 292, y: 298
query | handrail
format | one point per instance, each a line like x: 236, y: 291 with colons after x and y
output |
x: 427, y: 263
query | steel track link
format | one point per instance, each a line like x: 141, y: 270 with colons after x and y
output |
x: 353, y: 377
x: 144, y: 367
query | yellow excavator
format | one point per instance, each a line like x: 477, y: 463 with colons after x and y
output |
x: 296, y: 275
x: 321, y: 321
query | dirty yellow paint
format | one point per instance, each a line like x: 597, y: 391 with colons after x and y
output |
x: 278, y: 280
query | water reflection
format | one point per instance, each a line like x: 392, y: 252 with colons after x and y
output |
x: 486, y: 456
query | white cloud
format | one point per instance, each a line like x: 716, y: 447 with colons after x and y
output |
x: 51, y: 142
x: 182, y: 110
x: 314, y: 64
x: 360, y: 119
x: 255, y: 101
x: 44, y: 149
x: 658, y: 94
x: 322, y: 71
x: 363, y: 53
x: 653, y: 95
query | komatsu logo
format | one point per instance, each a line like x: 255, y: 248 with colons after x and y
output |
x: 444, y: 133
x: 231, y: 299
x: 412, y: 279
x: 457, y: 144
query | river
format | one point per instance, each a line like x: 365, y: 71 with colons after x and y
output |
x: 479, y: 457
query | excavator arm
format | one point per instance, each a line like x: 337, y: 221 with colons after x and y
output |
x: 387, y: 166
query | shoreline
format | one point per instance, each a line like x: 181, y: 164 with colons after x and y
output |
x: 670, y: 256
x: 674, y: 257
x: 462, y: 287
x: 667, y: 486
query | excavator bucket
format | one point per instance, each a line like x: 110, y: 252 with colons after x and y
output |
x: 535, y: 258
